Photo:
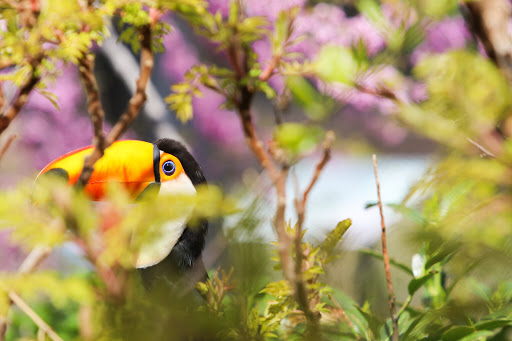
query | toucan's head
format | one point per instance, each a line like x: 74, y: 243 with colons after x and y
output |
x: 165, y: 167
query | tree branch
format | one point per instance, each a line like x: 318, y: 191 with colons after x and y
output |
x: 134, y: 106
x: 17, y: 104
x: 385, y: 255
x: 86, y: 71
x: 137, y: 101
x: 489, y: 21
x: 6, y: 146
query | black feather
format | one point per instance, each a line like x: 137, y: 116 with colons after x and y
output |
x: 183, y: 267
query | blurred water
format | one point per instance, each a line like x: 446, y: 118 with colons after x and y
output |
x: 344, y: 188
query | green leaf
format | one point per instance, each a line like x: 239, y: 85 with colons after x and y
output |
x: 334, y: 237
x: 336, y: 64
x: 373, y: 322
x: 393, y: 262
x: 298, y: 138
x: 457, y: 333
x: 478, y: 336
x: 316, y: 106
x: 410, y: 213
x: 407, y: 212
x: 417, y: 283
x: 492, y: 324
x: 51, y: 97
x: 440, y: 256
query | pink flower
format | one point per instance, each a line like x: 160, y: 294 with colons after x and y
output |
x: 448, y: 34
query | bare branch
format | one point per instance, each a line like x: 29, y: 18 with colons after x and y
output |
x: 33, y: 316
x: 329, y: 139
x: 482, y: 149
x: 6, y: 146
x: 385, y: 255
x: 93, y: 98
x: 134, y: 106
x: 96, y: 113
x: 22, y: 98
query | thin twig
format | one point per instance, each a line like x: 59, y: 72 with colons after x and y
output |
x: 329, y: 139
x: 6, y: 146
x: 2, y: 98
x: 33, y: 316
x: 481, y: 148
x: 30, y: 263
x: 269, y: 69
x: 134, y: 106
x: 34, y: 259
x: 277, y: 54
x: 380, y: 91
x: 385, y: 255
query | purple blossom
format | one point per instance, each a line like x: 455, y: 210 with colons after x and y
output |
x: 447, y: 34
x: 212, y: 121
x: 179, y: 56
x: 327, y: 24
x: 271, y: 8
x: 363, y: 30
x: 221, y: 6
x: 388, y: 131
x: 399, y: 14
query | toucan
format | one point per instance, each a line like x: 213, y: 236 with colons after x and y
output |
x: 164, y: 166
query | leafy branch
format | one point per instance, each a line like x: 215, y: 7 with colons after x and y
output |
x: 235, y: 35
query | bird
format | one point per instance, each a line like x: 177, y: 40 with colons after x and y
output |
x: 162, y: 167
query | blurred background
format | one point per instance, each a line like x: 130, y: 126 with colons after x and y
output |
x: 363, y: 123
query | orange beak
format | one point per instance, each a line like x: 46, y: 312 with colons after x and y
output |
x: 132, y: 164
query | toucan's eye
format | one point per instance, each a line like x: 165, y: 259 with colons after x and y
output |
x: 169, y: 167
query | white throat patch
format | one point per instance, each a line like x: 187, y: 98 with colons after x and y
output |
x: 154, y: 252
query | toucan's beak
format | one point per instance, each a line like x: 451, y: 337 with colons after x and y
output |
x: 132, y: 164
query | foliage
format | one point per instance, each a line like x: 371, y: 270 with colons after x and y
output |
x: 457, y: 215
